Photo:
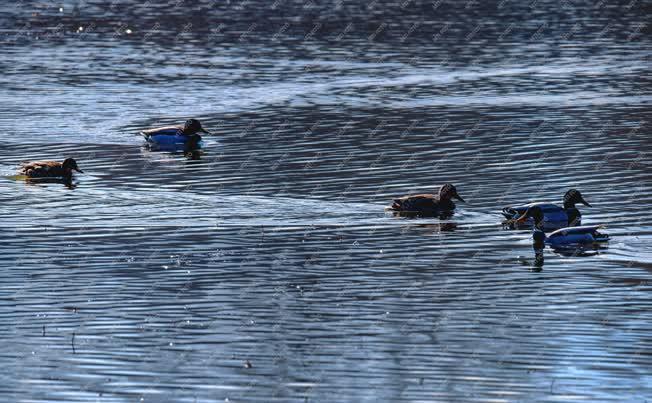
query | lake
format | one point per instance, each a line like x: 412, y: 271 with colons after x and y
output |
x: 265, y: 267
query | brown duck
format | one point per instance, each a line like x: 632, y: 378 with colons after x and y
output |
x: 428, y: 204
x: 50, y: 169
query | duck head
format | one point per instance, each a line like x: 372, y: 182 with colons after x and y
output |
x: 69, y: 164
x: 572, y: 197
x: 193, y: 126
x: 448, y: 191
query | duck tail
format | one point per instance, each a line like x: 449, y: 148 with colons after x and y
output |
x: 600, y: 237
x: 509, y: 212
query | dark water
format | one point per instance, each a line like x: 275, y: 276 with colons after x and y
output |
x: 267, y: 269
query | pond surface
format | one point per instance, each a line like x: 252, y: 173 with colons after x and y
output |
x: 265, y: 268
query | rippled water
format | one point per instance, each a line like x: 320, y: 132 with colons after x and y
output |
x: 265, y: 268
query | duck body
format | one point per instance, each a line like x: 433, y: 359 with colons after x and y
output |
x: 171, y: 137
x: 176, y: 137
x: 568, y: 236
x: 427, y: 204
x: 553, y: 214
x: 576, y: 236
x: 49, y: 169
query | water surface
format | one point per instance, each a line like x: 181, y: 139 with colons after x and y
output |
x: 265, y: 268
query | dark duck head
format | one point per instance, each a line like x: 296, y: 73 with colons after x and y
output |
x: 68, y: 165
x: 571, y: 198
x: 192, y: 127
x: 448, y: 192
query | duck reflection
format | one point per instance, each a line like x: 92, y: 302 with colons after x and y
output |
x: 574, y: 250
x: 67, y: 182
x: 439, y: 227
x: 538, y: 245
x: 193, y: 154
x: 579, y: 250
x: 513, y: 224
x: 430, y: 229
x: 189, y: 151
x: 443, y: 215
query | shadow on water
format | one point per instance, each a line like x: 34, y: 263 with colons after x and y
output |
x: 581, y: 250
x: 69, y: 183
x: 535, y: 265
x: 443, y: 215
x: 188, y: 152
x: 571, y: 251
x: 548, y: 226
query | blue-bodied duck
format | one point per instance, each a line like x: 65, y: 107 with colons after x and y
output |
x: 428, y: 204
x: 171, y: 136
x: 553, y: 214
x: 564, y: 236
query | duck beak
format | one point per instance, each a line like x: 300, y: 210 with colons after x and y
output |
x: 584, y: 202
x: 205, y: 131
x: 79, y: 170
x: 458, y: 197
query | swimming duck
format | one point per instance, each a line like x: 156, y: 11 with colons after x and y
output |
x: 564, y: 236
x: 50, y: 169
x: 176, y: 136
x: 428, y: 204
x: 553, y: 214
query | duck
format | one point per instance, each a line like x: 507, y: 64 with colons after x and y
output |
x: 176, y: 136
x: 428, y: 204
x: 50, y: 169
x: 553, y: 214
x: 564, y: 236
